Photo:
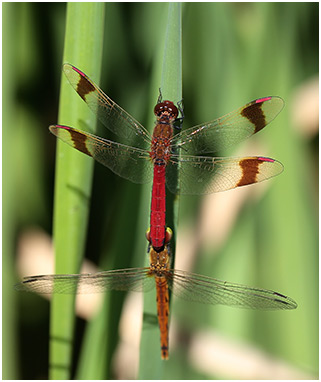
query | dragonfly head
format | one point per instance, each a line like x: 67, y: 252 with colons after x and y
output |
x: 166, y: 110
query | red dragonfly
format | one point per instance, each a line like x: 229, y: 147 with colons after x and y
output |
x: 189, y: 286
x: 159, y: 153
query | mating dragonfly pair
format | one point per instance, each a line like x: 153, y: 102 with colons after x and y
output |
x: 160, y: 155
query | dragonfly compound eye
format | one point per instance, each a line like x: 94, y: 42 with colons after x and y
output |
x: 166, y: 106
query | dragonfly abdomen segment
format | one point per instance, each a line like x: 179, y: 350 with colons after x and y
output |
x: 158, y: 208
x: 162, y: 300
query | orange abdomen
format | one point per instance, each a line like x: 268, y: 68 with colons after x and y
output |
x: 162, y: 299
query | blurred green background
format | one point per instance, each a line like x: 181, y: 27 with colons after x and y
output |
x: 264, y: 236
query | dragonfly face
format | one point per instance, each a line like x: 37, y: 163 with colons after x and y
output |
x: 166, y: 112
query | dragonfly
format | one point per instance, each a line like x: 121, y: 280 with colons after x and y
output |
x: 159, y: 155
x: 187, y: 285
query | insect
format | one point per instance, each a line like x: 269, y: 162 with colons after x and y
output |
x: 187, y: 285
x: 159, y: 155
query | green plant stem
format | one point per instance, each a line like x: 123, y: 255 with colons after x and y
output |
x: 151, y: 365
x: 83, y: 48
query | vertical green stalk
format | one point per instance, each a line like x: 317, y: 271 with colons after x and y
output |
x: 151, y: 365
x: 171, y: 86
x: 83, y: 48
x: 9, y: 341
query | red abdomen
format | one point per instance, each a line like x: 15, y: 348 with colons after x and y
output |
x: 158, y: 208
x: 160, y: 154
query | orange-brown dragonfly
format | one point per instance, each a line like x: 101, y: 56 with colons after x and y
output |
x: 187, y: 285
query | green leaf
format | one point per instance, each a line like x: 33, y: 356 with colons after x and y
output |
x: 151, y: 364
x: 83, y: 48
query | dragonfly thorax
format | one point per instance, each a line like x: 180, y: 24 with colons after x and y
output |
x: 160, y: 147
x: 159, y: 261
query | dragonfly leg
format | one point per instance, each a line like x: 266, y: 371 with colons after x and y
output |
x: 160, y: 97
x: 179, y: 121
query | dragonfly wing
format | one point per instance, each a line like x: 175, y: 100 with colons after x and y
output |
x: 135, y: 279
x: 108, y: 112
x: 197, y: 288
x: 203, y: 175
x: 230, y: 129
x: 128, y: 162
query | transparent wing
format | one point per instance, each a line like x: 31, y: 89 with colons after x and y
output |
x: 128, y: 162
x: 135, y: 279
x: 207, y: 290
x: 186, y: 285
x: 229, y: 130
x: 202, y: 175
x: 108, y: 112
